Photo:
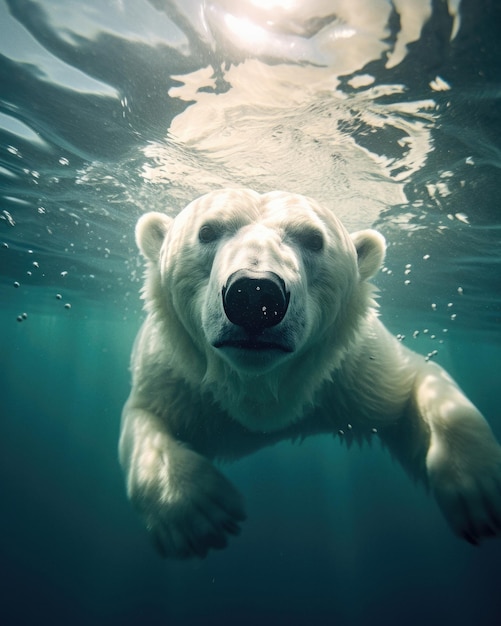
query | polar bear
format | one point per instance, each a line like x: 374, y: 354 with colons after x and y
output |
x: 261, y: 326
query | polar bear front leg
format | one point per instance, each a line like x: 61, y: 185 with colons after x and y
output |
x: 189, y: 507
x: 463, y: 460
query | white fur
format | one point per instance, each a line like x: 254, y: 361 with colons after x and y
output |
x: 193, y: 398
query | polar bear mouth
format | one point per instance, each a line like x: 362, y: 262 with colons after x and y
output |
x: 252, y: 344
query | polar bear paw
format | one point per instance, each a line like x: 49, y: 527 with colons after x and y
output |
x: 468, y: 491
x: 188, y: 505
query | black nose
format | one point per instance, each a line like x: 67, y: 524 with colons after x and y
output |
x: 255, y: 300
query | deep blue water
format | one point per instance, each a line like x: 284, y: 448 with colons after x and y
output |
x: 111, y: 109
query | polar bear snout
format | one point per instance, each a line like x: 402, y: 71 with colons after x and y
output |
x: 255, y: 300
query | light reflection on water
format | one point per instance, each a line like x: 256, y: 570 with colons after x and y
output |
x: 108, y: 110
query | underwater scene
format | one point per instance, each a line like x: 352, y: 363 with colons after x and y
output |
x: 388, y: 113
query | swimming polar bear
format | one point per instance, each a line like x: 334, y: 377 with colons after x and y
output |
x: 261, y: 326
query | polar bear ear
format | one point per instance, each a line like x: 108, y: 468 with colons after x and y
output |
x: 151, y: 229
x: 371, y: 247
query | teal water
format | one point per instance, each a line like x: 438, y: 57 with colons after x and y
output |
x: 108, y: 110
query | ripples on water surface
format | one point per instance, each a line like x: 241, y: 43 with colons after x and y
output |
x: 387, y: 112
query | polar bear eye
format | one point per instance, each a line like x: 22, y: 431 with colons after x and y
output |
x: 311, y: 240
x: 208, y: 233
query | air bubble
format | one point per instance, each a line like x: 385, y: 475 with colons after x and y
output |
x: 462, y: 217
x: 16, y: 284
x: 9, y: 218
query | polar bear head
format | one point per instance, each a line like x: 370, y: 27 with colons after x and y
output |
x: 258, y: 296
